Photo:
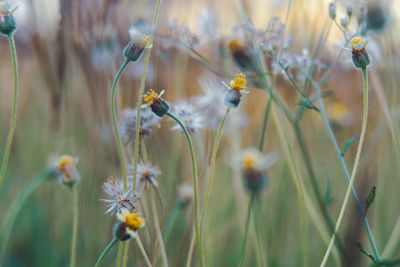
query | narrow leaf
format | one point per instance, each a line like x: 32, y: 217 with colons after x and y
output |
x: 348, y: 144
x: 370, y: 199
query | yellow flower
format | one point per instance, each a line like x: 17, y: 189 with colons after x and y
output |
x: 65, y: 167
x: 131, y: 220
x: 239, y: 83
x: 235, y: 45
x: 339, y: 111
x: 248, y: 161
x: 358, y: 43
x: 152, y: 96
x: 65, y: 161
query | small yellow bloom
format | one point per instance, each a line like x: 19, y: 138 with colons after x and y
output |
x: 131, y: 220
x: 235, y: 45
x: 65, y: 161
x: 358, y: 43
x: 152, y: 96
x: 239, y: 83
x: 339, y: 111
x: 248, y: 161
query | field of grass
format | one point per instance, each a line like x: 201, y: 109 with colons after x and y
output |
x: 271, y: 138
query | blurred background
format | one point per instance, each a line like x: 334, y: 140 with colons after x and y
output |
x: 69, y: 52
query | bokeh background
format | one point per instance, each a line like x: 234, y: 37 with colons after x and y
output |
x: 69, y: 52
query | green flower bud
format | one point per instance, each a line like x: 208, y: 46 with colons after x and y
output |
x: 132, y: 51
x: 7, y: 23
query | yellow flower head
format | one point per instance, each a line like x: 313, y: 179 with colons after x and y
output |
x: 152, y: 96
x: 235, y: 45
x: 131, y: 220
x: 66, y: 160
x: 248, y: 161
x: 339, y: 111
x: 358, y: 43
x: 239, y: 83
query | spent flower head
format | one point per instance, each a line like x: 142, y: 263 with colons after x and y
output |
x: 130, y: 223
x: 185, y: 195
x: 65, y: 167
x: 146, y: 174
x: 139, y: 41
x: 189, y: 116
x: 159, y: 106
x: 119, y: 198
x: 148, y: 121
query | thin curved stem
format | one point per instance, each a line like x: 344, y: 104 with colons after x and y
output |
x: 141, y: 248
x: 140, y: 96
x: 265, y: 124
x: 355, y: 167
x: 29, y: 188
x: 115, y: 122
x: 195, y: 187
x: 105, y: 251
x: 344, y: 167
x: 246, y: 231
x: 158, y: 231
x: 13, y: 112
x: 74, y: 226
x: 211, y: 174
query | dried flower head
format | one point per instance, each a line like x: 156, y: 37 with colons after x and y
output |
x: 65, y: 167
x: 138, y: 43
x: 146, y: 174
x: 189, y: 116
x: 236, y: 90
x: 359, y: 54
x: 7, y: 21
x: 119, y: 198
x: 131, y: 221
x: 148, y: 121
x: 158, y: 105
x: 253, y: 165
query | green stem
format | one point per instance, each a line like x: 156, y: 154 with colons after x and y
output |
x: 13, y: 112
x: 121, y: 246
x: 115, y: 122
x: 355, y: 167
x: 125, y: 255
x: 75, y: 226
x: 344, y: 167
x: 140, y: 96
x: 171, y: 221
x: 261, y: 251
x: 29, y: 188
x: 105, y: 251
x: 246, y: 231
x: 195, y: 187
x: 265, y: 124
x: 211, y: 174
x: 158, y: 231
x: 141, y: 248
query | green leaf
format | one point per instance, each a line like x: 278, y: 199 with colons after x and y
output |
x: 328, y: 197
x: 348, y: 144
x: 370, y: 199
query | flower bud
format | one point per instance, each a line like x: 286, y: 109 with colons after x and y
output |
x: 234, y: 95
x: 359, y: 54
x: 349, y: 10
x: 332, y: 10
x: 120, y: 231
x: 185, y: 195
x: 159, y: 106
x: 7, y: 22
x: 376, y: 17
x: 344, y: 20
x: 132, y: 52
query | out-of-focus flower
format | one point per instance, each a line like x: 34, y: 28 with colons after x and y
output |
x: 178, y: 35
x: 138, y: 43
x: 235, y: 91
x: 376, y: 16
x: 240, y: 54
x: 340, y: 114
x: 359, y: 54
x: 189, y: 116
x: 344, y: 20
x: 332, y: 10
x: 212, y: 107
x: 148, y: 121
x: 253, y: 165
x: 7, y: 21
x: 119, y: 198
x: 65, y: 167
x: 130, y: 222
x: 146, y: 174
x: 185, y: 195
x: 158, y: 105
